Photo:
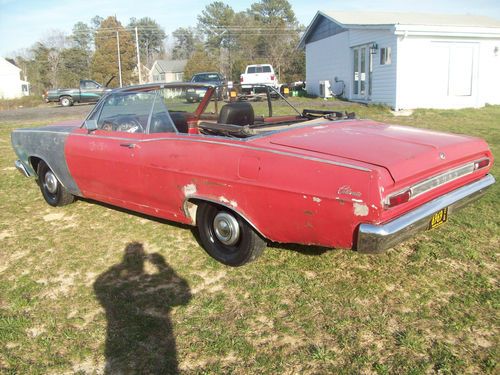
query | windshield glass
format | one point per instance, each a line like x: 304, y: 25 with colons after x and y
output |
x: 206, y: 77
x: 127, y: 111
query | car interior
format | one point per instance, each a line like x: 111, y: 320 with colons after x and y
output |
x: 132, y: 112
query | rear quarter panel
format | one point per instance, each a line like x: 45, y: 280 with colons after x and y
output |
x: 287, y: 198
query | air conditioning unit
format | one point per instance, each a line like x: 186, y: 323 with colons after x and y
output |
x: 324, y: 89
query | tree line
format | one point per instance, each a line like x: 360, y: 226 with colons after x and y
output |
x: 223, y: 40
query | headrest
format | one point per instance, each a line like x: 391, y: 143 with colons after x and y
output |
x: 238, y: 113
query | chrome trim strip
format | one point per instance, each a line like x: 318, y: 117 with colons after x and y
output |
x: 441, y: 179
x: 277, y: 152
x: 41, y: 131
x: 22, y: 168
x: 436, y: 181
x: 188, y: 138
x: 377, y: 238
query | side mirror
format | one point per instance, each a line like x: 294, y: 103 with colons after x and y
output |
x: 90, y: 125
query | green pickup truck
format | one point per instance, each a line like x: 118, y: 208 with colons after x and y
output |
x: 89, y: 92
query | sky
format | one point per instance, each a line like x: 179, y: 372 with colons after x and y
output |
x: 24, y: 22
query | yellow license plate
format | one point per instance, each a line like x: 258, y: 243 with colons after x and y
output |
x: 439, y: 218
x: 286, y: 90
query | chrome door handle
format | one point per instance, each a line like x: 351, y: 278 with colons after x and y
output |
x: 128, y: 145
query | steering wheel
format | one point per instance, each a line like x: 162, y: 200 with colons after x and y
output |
x: 129, y: 125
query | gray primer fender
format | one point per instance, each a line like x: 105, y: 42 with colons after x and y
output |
x: 46, y: 143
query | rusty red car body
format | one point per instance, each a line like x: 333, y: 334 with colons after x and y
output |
x: 344, y: 183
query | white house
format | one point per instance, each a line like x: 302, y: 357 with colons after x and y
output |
x: 404, y: 60
x: 11, y: 85
x: 167, y: 71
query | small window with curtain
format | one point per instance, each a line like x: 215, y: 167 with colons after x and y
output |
x: 385, y: 56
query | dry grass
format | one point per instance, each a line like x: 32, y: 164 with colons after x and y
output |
x: 78, y: 296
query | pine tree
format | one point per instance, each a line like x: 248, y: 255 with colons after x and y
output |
x: 105, y: 59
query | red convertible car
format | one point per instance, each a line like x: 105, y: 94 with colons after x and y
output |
x: 243, y: 177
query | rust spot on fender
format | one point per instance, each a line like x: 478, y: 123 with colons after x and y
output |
x: 360, y: 209
x: 190, y: 211
x: 189, y: 189
x: 309, y: 213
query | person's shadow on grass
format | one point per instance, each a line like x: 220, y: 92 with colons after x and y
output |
x: 140, y: 338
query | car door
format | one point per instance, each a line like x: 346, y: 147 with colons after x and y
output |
x: 90, y: 91
x: 163, y: 154
x: 106, y: 163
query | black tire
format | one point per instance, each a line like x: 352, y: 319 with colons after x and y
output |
x: 247, y: 247
x: 53, y: 192
x: 66, y: 101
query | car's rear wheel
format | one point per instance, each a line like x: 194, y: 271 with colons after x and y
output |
x: 66, y: 101
x: 53, y: 192
x: 226, y: 236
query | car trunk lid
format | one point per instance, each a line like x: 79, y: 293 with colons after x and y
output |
x: 402, y: 150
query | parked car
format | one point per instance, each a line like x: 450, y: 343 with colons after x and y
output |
x: 313, y: 177
x: 258, y: 75
x: 210, y: 78
x: 89, y: 92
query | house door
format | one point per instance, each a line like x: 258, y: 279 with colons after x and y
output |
x: 362, y: 69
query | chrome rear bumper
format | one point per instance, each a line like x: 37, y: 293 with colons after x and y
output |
x: 22, y: 168
x: 377, y: 238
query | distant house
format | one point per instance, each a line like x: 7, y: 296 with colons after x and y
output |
x: 11, y: 84
x: 404, y: 60
x: 167, y: 71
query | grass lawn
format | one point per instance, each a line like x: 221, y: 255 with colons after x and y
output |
x: 24, y: 102
x: 78, y: 296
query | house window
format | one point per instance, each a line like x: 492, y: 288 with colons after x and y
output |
x: 162, y: 76
x: 385, y: 56
x: 179, y: 76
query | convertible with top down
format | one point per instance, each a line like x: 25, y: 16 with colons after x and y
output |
x: 243, y: 175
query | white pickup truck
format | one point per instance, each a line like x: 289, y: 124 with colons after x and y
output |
x: 258, y: 75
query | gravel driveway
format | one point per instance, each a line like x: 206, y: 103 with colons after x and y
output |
x: 48, y: 112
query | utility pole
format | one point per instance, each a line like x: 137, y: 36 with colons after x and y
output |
x: 119, y: 58
x: 138, y: 55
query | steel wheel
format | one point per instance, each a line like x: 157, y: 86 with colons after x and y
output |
x: 53, y: 192
x: 226, y: 237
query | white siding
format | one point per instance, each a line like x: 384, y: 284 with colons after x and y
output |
x: 489, y: 72
x: 327, y: 59
x: 438, y: 73
x: 427, y: 70
x: 430, y: 65
x: 10, y: 81
x: 384, y: 76
x: 333, y: 57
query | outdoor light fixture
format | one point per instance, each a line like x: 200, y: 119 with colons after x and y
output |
x: 373, y: 48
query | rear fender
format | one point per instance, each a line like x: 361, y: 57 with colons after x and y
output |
x: 190, y: 207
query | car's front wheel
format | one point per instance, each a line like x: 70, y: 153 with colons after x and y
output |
x: 226, y: 236
x: 53, y: 192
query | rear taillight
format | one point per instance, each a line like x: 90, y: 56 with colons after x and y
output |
x: 272, y: 77
x: 483, y: 163
x: 398, y: 198
x: 241, y: 79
